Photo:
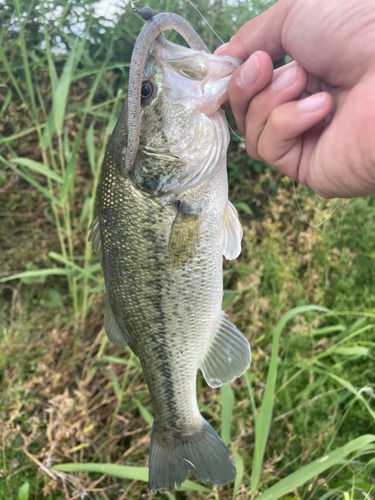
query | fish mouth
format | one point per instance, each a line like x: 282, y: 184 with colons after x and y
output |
x: 185, y: 132
x: 199, y: 77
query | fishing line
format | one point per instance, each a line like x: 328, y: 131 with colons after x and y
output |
x: 222, y: 41
x: 242, y: 138
x: 233, y: 131
x: 204, y: 19
x: 304, y: 216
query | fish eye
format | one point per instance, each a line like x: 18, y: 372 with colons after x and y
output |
x: 147, y: 91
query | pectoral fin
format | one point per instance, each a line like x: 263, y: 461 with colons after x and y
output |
x: 228, y: 356
x: 112, y: 328
x: 96, y: 239
x: 232, y: 233
x: 184, y: 236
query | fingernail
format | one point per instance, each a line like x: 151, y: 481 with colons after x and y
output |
x: 285, y: 79
x: 221, y: 49
x: 312, y: 103
x: 250, y: 71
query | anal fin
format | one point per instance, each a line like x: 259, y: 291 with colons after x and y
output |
x: 228, y: 355
x: 112, y: 328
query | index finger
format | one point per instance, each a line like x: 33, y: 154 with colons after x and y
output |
x: 262, y: 33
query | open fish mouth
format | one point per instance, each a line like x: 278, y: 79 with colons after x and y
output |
x: 182, y: 124
x: 151, y: 30
x: 199, y: 77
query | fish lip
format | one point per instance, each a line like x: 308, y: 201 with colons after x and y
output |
x: 235, y: 60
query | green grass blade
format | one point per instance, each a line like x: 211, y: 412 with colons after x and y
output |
x: 7, y: 99
x: 355, y: 350
x: 124, y: 472
x: 329, y: 329
x: 121, y: 471
x: 65, y: 144
x: 38, y: 167
x: 115, y: 384
x: 263, y: 423
x: 9, y: 72
x: 190, y: 486
x: 85, y: 212
x: 33, y: 182
x: 113, y: 359
x: 24, y: 491
x: 144, y: 412
x: 251, y: 395
x: 90, y: 146
x: 83, y: 272
x: 37, y: 273
x: 227, y: 402
x: 93, y: 69
x: 240, y: 467
x: 26, y: 66
x: 316, y: 467
x: 51, y: 64
x: 343, y: 382
x: 352, y: 313
x: 95, y: 268
x: 229, y: 296
x: 62, y: 88
x: 339, y: 349
x: 244, y: 207
x: 120, y: 361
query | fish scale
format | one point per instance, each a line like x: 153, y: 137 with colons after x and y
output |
x: 162, y: 230
x: 159, y: 295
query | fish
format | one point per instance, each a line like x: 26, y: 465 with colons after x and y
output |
x: 164, y: 224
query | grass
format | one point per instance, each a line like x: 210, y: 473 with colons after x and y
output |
x: 75, y: 415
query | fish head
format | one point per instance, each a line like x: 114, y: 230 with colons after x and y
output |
x: 184, y: 135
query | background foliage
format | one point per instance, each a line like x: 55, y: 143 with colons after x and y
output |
x: 69, y: 396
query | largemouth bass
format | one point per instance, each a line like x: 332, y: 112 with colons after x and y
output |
x: 164, y: 224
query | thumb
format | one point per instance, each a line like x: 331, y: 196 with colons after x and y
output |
x: 262, y: 33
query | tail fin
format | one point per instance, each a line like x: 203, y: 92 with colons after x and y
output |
x: 203, y: 454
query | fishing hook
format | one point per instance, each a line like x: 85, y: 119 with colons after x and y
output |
x: 146, y: 13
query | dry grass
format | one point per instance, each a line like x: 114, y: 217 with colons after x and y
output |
x: 67, y: 395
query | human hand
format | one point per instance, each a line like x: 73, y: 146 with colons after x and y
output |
x: 314, y: 118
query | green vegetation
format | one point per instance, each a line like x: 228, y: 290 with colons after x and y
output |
x: 75, y: 415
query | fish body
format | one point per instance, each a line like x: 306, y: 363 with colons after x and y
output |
x: 162, y: 230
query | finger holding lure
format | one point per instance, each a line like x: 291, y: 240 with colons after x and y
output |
x: 164, y: 224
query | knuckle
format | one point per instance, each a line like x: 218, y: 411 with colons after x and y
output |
x: 254, y: 128
x: 252, y: 151
x: 277, y: 121
x: 264, y: 151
